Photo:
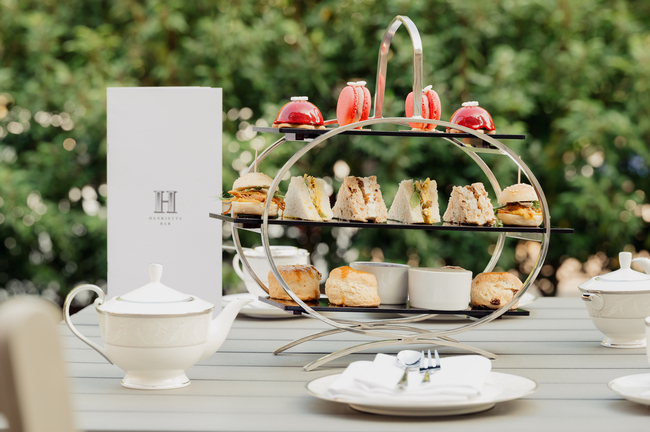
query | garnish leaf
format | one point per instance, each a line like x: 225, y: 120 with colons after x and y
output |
x: 415, y: 199
x: 537, y: 205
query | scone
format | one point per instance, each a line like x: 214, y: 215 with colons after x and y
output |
x: 302, y: 279
x: 349, y: 287
x: 493, y: 290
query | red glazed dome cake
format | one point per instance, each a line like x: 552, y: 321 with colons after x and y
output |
x: 299, y: 113
x: 474, y: 117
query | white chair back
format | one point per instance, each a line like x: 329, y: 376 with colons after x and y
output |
x: 33, y: 388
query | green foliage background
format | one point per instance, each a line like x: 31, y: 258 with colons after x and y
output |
x: 574, y: 76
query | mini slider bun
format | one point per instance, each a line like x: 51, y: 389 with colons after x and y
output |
x: 251, y: 208
x: 249, y: 201
x: 349, y: 287
x: 493, y: 290
x: 519, y: 209
x: 252, y: 180
x: 517, y: 193
x: 304, y: 281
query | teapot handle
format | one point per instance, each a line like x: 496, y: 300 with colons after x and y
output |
x: 237, y: 267
x: 68, y: 320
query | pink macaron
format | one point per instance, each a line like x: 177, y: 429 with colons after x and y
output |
x: 431, y: 108
x: 354, y: 103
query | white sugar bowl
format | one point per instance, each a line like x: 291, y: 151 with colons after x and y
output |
x: 619, y: 302
x: 155, y: 333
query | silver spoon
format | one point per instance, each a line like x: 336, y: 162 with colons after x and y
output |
x: 408, y: 359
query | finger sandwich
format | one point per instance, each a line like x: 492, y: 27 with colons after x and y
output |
x: 360, y: 199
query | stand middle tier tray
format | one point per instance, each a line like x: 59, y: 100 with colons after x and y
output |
x: 255, y: 222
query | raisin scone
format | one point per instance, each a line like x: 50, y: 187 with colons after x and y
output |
x: 493, y: 290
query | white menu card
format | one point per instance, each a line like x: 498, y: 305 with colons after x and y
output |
x: 164, y: 174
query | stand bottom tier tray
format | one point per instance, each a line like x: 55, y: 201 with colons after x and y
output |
x: 323, y: 305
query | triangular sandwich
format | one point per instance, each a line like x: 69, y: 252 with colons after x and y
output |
x: 416, y: 202
x: 359, y: 199
x: 470, y: 205
x: 306, y: 199
x: 428, y: 190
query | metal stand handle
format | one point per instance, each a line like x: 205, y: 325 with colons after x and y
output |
x: 383, y: 61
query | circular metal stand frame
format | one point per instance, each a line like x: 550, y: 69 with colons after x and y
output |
x: 393, y: 331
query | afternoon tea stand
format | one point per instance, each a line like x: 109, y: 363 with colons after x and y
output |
x: 395, y: 331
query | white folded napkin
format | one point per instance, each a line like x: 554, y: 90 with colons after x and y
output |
x: 460, y: 378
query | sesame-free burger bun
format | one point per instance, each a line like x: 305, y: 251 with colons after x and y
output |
x: 518, y: 193
x: 252, y: 180
x: 516, y: 220
x: 253, y: 208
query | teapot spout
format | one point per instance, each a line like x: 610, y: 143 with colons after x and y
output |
x: 643, y: 262
x: 220, y: 326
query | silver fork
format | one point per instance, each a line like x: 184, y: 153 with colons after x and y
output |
x: 424, y: 368
x: 431, y: 365
x: 435, y: 367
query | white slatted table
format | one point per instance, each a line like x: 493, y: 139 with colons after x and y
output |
x: 243, y: 387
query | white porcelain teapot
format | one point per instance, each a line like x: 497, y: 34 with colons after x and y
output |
x: 618, y: 303
x: 155, y: 333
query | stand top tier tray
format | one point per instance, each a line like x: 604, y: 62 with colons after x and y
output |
x: 297, y: 134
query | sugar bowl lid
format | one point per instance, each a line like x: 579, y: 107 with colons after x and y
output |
x: 624, y: 279
x: 155, y: 299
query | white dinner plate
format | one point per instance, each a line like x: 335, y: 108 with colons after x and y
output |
x: 257, y: 309
x: 499, y: 387
x: 635, y: 388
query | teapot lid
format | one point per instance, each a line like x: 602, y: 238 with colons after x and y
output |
x: 624, y: 279
x: 155, y: 298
